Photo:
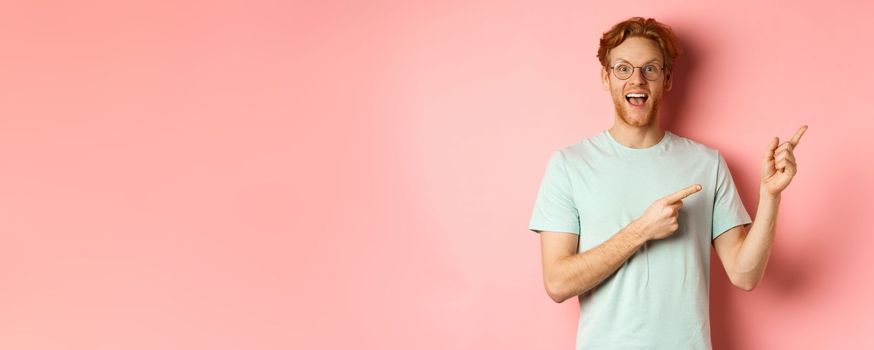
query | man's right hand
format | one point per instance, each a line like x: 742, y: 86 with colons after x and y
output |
x: 660, y: 219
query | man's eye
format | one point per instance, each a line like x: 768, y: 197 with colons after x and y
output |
x: 624, y: 68
x: 650, y: 68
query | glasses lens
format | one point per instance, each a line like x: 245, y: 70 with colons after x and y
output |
x: 623, y: 71
x: 651, y: 72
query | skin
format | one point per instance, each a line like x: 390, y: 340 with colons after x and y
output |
x: 744, y: 254
x: 636, y: 128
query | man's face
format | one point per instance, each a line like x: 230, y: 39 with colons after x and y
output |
x: 637, y: 51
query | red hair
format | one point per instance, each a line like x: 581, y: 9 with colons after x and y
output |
x: 647, y: 28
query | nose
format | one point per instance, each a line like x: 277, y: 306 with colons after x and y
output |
x: 637, y: 76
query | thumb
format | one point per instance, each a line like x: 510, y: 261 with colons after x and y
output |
x: 771, y: 148
x: 768, y: 161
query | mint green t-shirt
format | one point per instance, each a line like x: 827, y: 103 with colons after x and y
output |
x: 658, y: 299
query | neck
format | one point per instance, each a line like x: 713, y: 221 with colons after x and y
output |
x: 636, y: 137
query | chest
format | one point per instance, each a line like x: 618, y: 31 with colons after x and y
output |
x: 611, y: 193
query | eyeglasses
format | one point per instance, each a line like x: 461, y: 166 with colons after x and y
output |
x: 624, y: 71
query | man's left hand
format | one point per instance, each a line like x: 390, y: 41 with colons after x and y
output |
x: 778, y: 164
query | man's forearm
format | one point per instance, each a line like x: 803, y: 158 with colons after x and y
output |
x: 752, y: 257
x: 576, y: 274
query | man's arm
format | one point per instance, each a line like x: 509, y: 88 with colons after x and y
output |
x: 744, y: 255
x: 567, y: 273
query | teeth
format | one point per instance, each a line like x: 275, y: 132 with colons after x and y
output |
x: 635, y: 95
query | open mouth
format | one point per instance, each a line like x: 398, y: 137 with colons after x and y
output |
x: 636, y: 99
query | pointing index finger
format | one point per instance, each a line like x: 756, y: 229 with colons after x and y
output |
x: 797, y: 137
x: 686, y: 192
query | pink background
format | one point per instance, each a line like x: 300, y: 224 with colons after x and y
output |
x: 274, y: 175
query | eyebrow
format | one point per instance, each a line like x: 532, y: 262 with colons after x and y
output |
x: 647, y: 62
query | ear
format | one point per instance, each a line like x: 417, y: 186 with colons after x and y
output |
x: 669, y: 81
x: 605, y: 79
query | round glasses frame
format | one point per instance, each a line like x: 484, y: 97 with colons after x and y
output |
x: 650, y: 72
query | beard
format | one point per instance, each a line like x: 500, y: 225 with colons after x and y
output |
x: 622, y: 111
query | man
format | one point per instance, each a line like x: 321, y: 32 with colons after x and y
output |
x: 626, y: 217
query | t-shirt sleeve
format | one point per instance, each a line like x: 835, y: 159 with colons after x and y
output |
x: 554, y: 207
x: 728, y: 209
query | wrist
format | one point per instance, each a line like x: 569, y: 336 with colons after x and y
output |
x: 633, y: 229
x: 765, y: 195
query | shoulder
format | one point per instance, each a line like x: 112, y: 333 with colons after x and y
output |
x: 695, y: 148
x: 585, y: 148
